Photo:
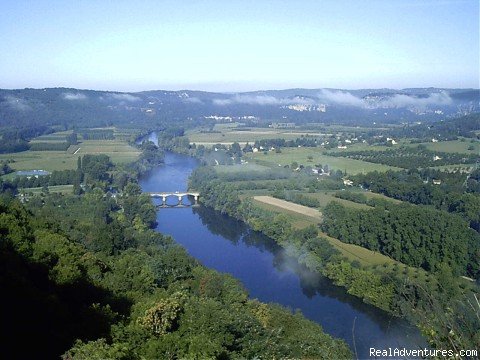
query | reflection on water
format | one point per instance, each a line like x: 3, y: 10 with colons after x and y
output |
x: 230, y: 246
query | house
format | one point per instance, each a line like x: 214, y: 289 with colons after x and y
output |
x: 435, y: 158
x: 434, y: 140
x: 341, y: 147
x: 347, y: 182
x: 436, y: 182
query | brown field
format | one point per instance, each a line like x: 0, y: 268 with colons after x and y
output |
x: 304, y: 210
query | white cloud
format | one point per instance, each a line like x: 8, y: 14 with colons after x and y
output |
x: 17, y: 104
x: 74, y: 96
x: 400, y: 100
x: 192, y: 100
x: 395, y: 101
x: 341, y: 98
x: 261, y: 100
x: 125, y: 97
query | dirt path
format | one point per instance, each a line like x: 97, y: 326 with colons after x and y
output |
x: 304, y: 210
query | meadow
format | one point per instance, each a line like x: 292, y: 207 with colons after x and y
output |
x: 301, y: 156
x: 228, y: 135
x: 62, y: 189
x: 454, y: 146
x: 118, y: 150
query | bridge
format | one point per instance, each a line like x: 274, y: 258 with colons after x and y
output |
x: 177, y: 194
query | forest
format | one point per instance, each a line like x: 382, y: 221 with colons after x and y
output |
x: 415, y: 235
x: 458, y: 192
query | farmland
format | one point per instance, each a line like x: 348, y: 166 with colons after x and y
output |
x: 225, y: 135
x: 118, y: 150
x: 301, y: 156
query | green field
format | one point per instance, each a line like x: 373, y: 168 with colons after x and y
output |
x: 57, y: 137
x: 63, y: 189
x: 325, y: 197
x: 118, y: 150
x: 228, y: 135
x: 455, y: 146
x: 300, y: 155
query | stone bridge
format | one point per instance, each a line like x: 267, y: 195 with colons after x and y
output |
x: 179, y: 195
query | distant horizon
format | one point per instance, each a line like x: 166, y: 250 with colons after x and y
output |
x: 243, y: 91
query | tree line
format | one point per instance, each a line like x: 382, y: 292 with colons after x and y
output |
x: 415, y: 235
x: 458, y: 192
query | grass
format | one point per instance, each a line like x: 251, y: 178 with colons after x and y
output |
x: 454, y: 146
x: 300, y: 155
x: 118, y: 150
x: 63, y: 189
x: 57, y: 137
x: 299, y: 221
x: 325, y: 197
x: 228, y: 135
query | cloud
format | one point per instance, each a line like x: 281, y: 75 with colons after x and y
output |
x: 400, y: 100
x: 261, y: 100
x: 17, y: 104
x: 72, y: 96
x: 192, y: 100
x: 395, y: 101
x: 125, y: 97
x: 341, y: 98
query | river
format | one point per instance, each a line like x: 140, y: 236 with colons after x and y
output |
x: 227, y: 245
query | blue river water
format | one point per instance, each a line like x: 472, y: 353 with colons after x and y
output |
x: 227, y: 245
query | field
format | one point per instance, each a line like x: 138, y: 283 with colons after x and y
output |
x: 326, y: 197
x: 228, y: 135
x: 300, y: 155
x: 118, y: 150
x: 304, y: 210
x: 63, y: 189
x: 58, y: 137
x: 455, y: 146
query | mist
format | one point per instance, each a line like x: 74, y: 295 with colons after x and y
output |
x: 72, y: 96
x: 262, y: 100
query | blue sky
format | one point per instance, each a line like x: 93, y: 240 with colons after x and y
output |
x: 239, y: 45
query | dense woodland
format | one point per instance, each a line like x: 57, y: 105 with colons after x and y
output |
x: 458, y: 192
x: 415, y: 235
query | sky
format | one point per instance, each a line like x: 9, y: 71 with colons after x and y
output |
x: 239, y: 45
